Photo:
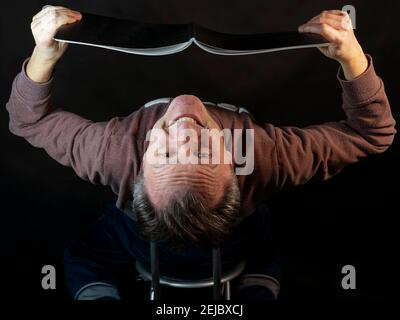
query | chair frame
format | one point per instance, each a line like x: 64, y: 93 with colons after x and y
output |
x: 220, y: 283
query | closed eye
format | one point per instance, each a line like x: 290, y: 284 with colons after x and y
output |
x: 202, y: 154
x: 163, y: 154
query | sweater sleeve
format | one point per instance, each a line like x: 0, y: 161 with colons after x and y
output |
x: 321, y: 151
x: 68, y: 138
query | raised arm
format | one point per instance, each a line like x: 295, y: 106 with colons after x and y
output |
x: 47, y: 51
x: 319, y: 152
x: 68, y: 138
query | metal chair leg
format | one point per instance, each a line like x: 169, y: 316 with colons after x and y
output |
x: 155, y: 272
x: 216, y: 256
x: 227, y: 290
x: 217, y: 273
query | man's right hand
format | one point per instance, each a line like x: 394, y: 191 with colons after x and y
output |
x: 48, y: 51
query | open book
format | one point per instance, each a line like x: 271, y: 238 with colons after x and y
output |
x: 162, y: 39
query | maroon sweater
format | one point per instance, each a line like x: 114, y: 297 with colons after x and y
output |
x: 110, y: 153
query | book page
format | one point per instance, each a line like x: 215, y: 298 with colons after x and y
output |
x: 162, y: 51
x: 225, y: 52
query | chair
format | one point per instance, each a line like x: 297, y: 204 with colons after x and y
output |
x: 220, y: 282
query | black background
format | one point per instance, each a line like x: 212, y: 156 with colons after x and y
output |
x: 352, y: 219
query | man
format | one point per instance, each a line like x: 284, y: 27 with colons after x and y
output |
x: 192, y: 204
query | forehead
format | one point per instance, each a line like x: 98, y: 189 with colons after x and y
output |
x: 186, y: 169
x: 186, y: 174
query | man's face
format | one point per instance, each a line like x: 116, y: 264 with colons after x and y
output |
x: 182, y: 155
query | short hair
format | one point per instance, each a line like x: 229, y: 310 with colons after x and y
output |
x: 187, y: 220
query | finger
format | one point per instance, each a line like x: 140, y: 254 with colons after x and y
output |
x: 315, y: 17
x: 60, y: 15
x: 52, y: 25
x: 65, y: 19
x: 338, y: 24
x: 45, y: 21
x: 35, y: 24
x: 337, y: 21
x: 336, y: 12
x: 324, y: 50
x: 44, y: 11
x: 332, y: 14
x: 48, y: 10
x: 52, y: 13
x: 325, y: 30
x: 326, y: 15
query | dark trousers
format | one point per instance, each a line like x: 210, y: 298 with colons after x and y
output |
x: 100, y: 264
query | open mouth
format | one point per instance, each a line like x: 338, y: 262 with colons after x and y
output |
x: 186, y: 118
